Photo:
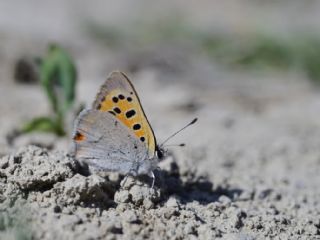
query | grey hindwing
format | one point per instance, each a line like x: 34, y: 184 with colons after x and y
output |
x: 108, y: 144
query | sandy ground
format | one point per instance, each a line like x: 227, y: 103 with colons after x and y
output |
x: 250, y: 168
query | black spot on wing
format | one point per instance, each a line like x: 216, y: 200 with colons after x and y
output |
x: 137, y: 126
x: 142, y: 139
x: 130, y: 113
x: 117, y: 110
x: 121, y: 97
x: 115, y: 99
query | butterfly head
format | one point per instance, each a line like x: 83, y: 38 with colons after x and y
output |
x: 160, y: 152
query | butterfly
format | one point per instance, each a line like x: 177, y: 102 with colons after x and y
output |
x: 115, y: 134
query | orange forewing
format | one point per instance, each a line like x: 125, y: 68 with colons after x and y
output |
x: 124, y: 106
x: 118, y: 97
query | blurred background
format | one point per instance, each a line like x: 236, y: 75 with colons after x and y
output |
x: 248, y: 69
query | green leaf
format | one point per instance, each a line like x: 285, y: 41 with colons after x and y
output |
x: 44, y: 124
x: 58, y: 76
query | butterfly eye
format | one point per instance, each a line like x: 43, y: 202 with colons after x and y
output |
x: 160, y: 152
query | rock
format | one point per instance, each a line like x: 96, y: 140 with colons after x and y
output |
x: 172, y: 202
x: 148, y: 203
x: 122, y: 196
x: 83, y: 190
x: 137, y: 192
x: 60, y: 201
x: 130, y: 216
x: 32, y: 169
x: 224, y: 200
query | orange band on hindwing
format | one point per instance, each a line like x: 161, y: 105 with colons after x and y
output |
x: 79, y: 137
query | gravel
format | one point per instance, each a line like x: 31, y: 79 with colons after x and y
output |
x: 45, y: 196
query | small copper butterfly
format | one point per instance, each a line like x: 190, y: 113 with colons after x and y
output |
x: 115, y: 134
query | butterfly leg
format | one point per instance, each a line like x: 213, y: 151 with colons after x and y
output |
x: 132, y: 171
x: 125, y: 180
x: 151, y: 174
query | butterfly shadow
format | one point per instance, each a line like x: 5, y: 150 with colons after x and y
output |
x: 187, y: 186
x: 191, y: 187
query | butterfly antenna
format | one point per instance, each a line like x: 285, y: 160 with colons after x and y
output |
x: 189, y: 124
x: 176, y: 145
